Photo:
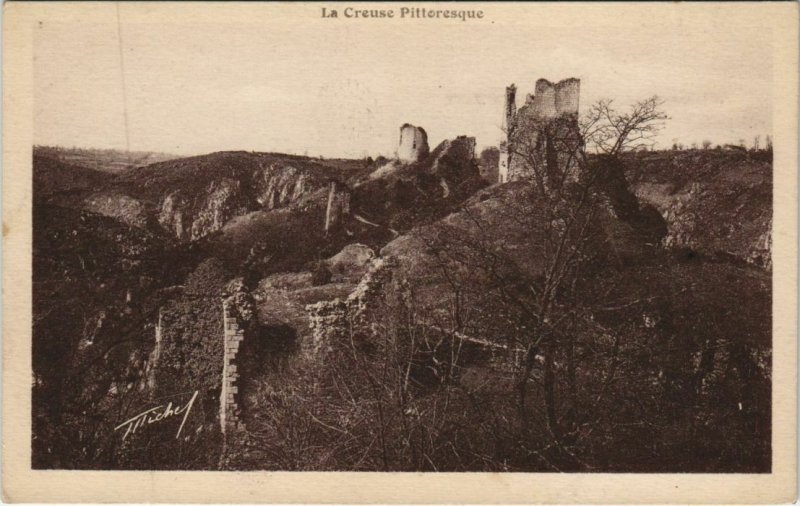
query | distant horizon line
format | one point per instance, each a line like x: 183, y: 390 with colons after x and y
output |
x: 679, y: 146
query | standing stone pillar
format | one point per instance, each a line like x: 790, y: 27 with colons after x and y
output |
x: 338, y: 205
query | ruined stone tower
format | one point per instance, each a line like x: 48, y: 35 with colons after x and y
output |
x: 413, y: 144
x: 510, y: 110
x: 544, y: 132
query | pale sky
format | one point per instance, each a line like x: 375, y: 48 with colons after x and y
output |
x: 297, y: 83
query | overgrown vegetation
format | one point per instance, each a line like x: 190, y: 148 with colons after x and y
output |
x: 598, y: 315
x: 542, y: 328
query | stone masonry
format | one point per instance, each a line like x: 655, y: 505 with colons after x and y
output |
x: 413, y: 145
x: 233, y: 335
x: 543, y: 130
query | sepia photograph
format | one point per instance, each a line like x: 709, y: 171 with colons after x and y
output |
x: 424, y: 237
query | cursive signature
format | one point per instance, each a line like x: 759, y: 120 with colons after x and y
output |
x: 153, y: 415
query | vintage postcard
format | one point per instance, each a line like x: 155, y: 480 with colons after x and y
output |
x: 399, y: 252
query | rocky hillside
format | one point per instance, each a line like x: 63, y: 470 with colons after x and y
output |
x: 673, y: 325
x: 716, y: 202
x: 386, y: 294
x: 57, y: 182
x: 399, y: 195
x: 193, y: 197
x: 96, y: 289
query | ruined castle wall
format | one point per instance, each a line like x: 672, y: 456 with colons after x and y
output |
x: 510, y: 106
x: 554, y: 100
x: 331, y: 320
x: 567, y: 96
x: 544, y: 100
x: 413, y: 144
x: 233, y: 335
x: 554, y: 106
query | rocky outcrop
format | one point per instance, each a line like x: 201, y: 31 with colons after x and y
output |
x: 338, y: 205
x: 398, y: 196
x: 689, y: 228
x: 278, y: 185
x: 193, y: 197
x: 643, y: 221
x: 454, y: 159
x: 171, y: 215
x: 715, y: 202
x: 761, y: 250
x: 222, y: 202
x: 191, y: 215
x: 351, y: 263
x: 119, y: 206
x: 153, y: 359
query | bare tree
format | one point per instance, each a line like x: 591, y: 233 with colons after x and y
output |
x: 563, y: 208
x: 706, y: 144
x: 610, y: 131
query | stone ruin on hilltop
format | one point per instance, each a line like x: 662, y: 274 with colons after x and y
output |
x: 542, y: 133
x: 413, y: 145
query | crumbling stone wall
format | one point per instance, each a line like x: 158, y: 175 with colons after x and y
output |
x: 338, y: 204
x: 413, y: 144
x: 510, y: 107
x: 233, y: 335
x: 330, y: 320
x: 238, y: 317
x: 567, y: 98
x: 509, y: 113
x: 543, y: 132
x: 553, y: 100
